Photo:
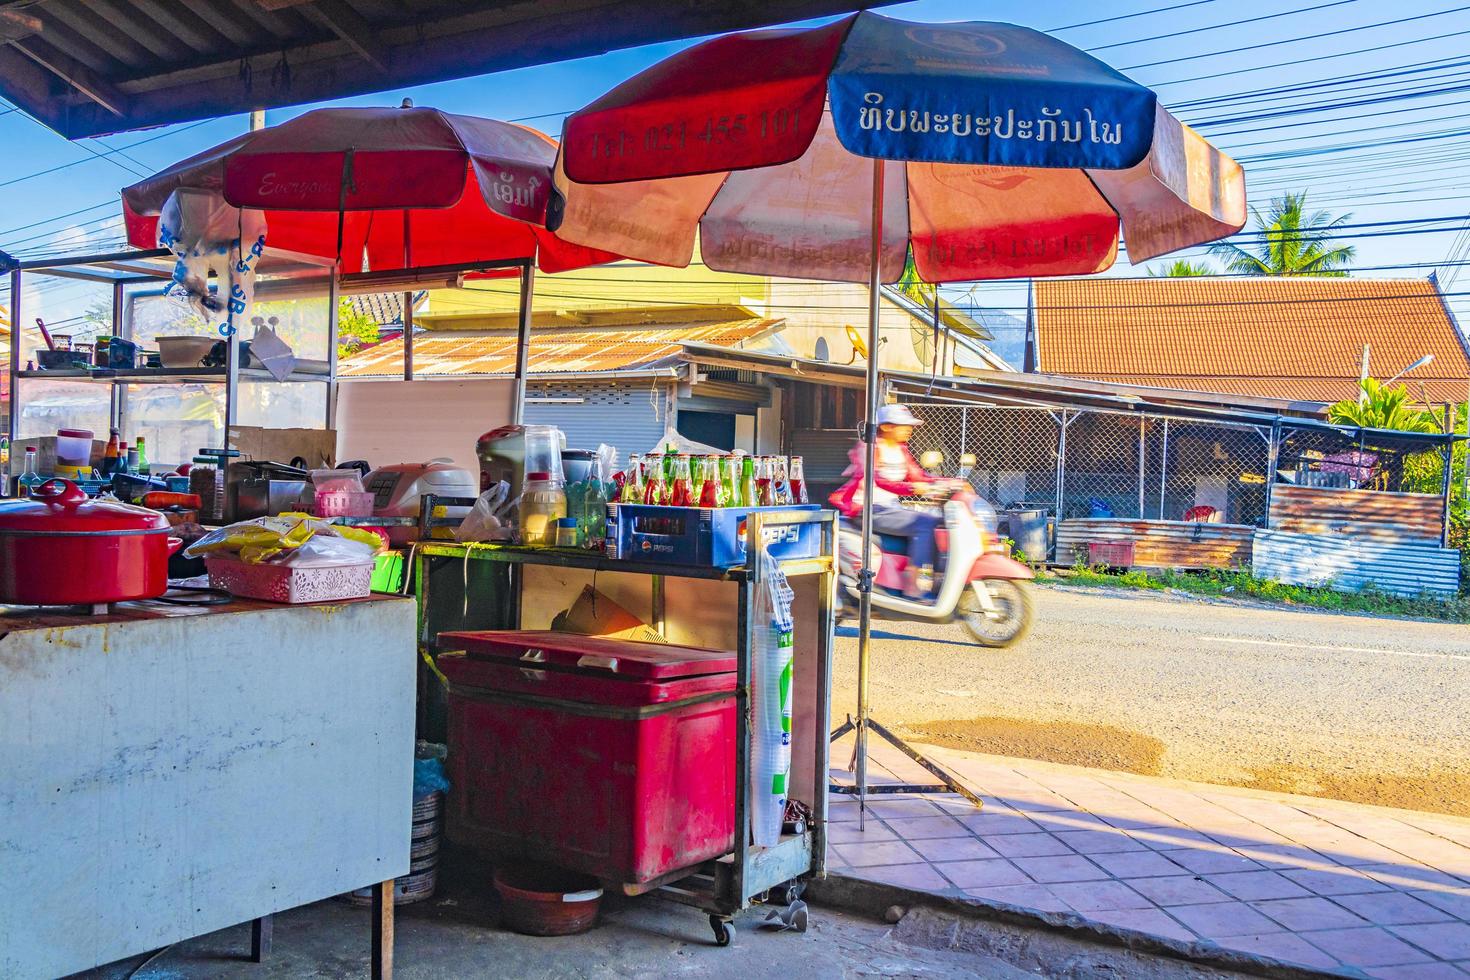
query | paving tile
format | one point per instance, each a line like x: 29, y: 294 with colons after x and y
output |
x: 1037, y: 897
x: 1446, y: 940
x: 847, y: 832
x: 1406, y: 876
x: 1282, y: 857
x: 921, y: 877
x: 876, y: 853
x: 1058, y: 821
x: 1281, y: 946
x: 1337, y: 881
x: 982, y: 874
x: 1028, y: 845
x: 1099, y: 841
x: 1356, y: 852
x: 1136, y: 864
x: 1203, y: 862
x: 995, y: 822
x: 842, y: 810
x: 1456, y: 903
x: 914, y: 828
x: 1392, y: 908
x: 1222, y: 919
x: 1418, y: 971
x: 903, y: 807
x: 1100, y: 896
x: 1171, y: 838
x: 1150, y: 921
x: 1365, y: 947
x: 1060, y: 868
x: 1309, y: 914
x: 1039, y: 802
x: 1256, y: 885
x: 952, y: 849
x: 1178, y: 890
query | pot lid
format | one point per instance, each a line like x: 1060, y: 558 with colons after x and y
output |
x: 62, y: 506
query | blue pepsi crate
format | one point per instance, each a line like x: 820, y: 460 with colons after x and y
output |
x: 701, y: 536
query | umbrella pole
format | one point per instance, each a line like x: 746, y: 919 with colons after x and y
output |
x: 523, y: 338
x: 869, y: 436
x: 948, y: 782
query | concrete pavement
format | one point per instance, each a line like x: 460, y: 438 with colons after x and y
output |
x: 1342, y: 706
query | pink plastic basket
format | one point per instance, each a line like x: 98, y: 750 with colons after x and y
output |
x: 291, y: 583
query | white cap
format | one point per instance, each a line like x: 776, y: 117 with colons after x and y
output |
x: 897, y: 415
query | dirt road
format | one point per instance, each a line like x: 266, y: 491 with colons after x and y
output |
x: 1348, y: 707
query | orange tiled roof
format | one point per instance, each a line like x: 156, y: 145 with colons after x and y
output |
x: 1296, y: 338
x: 553, y: 350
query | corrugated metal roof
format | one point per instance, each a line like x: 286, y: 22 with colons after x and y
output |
x: 1299, y: 338
x: 553, y: 350
x: 91, y: 67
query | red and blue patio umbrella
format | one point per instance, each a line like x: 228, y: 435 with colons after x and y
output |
x: 991, y: 151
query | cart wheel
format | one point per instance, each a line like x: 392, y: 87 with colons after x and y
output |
x: 724, y: 930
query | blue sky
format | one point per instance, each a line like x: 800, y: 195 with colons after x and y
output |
x: 1167, y: 49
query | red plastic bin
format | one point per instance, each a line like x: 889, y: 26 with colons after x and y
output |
x: 608, y: 757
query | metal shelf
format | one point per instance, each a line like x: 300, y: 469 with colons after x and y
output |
x: 310, y: 371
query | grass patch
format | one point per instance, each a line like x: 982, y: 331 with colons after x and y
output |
x: 1242, y: 584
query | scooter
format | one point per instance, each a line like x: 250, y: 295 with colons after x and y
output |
x: 978, y: 583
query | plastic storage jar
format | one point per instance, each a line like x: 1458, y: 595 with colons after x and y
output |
x: 543, y: 504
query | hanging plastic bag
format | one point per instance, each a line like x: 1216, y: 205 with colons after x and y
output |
x: 683, y: 444
x: 772, y: 632
x: 273, y: 353
x: 209, y: 236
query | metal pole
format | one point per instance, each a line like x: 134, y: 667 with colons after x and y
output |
x: 1449, y: 477
x: 334, y: 309
x: 1142, y: 440
x: 15, y: 345
x: 1163, y: 469
x: 523, y: 338
x: 1273, y: 460
x: 869, y: 434
x: 1061, y: 462
x: 115, y: 397
x: 407, y: 317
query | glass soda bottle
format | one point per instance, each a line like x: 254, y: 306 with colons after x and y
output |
x: 681, y: 492
x: 142, y: 448
x: 111, y: 454
x: 764, y: 496
x: 780, y: 489
x: 29, y: 478
x: 798, y: 482
x: 633, y: 490
x: 709, y: 482
x: 729, y: 480
x: 747, y: 481
x: 656, y: 486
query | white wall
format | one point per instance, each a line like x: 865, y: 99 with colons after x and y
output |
x: 414, y: 421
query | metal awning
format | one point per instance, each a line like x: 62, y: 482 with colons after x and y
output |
x: 92, y: 67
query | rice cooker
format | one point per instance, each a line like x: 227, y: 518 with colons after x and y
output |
x: 396, y: 490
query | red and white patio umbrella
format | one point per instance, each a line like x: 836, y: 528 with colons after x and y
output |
x: 991, y: 151
x: 384, y: 189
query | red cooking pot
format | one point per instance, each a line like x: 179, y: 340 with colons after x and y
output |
x: 60, y: 548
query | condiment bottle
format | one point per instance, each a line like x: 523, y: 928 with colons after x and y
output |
x: 142, y: 449
x: 709, y: 484
x: 632, y: 492
x: 110, y: 454
x: 543, y: 503
x: 747, y: 482
x: 29, y: 478
x: 681, y: 494
x: 798, y: 482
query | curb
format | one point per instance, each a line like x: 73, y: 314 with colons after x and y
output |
x: 873, y: 899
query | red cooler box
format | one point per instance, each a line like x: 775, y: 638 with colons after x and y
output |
x: 609, y: 757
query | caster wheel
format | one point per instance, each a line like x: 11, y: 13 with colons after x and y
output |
x: 723, y: 929
x: 792, y: 891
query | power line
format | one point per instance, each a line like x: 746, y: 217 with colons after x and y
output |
x: 1373, y: 49
x: 1216, y: 27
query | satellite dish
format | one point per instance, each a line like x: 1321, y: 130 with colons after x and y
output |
x: 858, y: 346
x: 822, y: 353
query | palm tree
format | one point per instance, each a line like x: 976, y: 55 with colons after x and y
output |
x: 1382, y: 408
x: 1180, y: 268
x: 1295, y: 243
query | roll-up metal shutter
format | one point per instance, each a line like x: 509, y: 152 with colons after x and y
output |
x: 628, y: 415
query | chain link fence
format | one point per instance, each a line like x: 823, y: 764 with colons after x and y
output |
x: 1104, y: 464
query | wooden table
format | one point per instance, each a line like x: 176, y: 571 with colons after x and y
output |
x: 171, y: 771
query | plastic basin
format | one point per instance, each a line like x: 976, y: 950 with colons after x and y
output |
x: 541, y: 901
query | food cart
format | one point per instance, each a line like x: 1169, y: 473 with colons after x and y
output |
x: 488, y: 586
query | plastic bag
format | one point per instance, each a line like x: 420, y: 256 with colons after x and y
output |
x: 208, y: 235
x: 681, y: 444
x: 490, y: 518
x: 273, y: 353
x: 265, y: 538
x: 770, y: 733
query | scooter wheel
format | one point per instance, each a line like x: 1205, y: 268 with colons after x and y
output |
x: 1013, y: 600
